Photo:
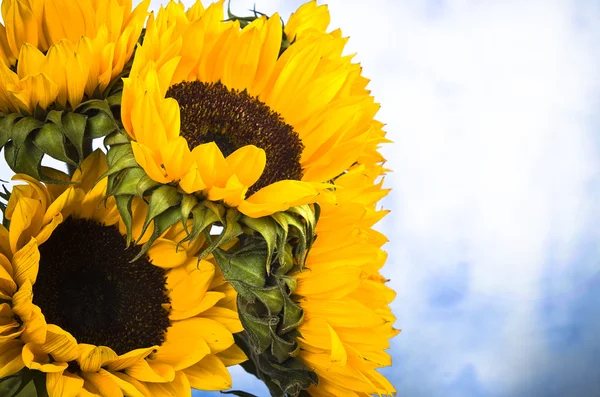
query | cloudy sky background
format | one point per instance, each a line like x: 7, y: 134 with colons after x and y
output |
x: 493, y: 107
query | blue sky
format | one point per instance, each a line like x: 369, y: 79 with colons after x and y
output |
x: 493, y: 107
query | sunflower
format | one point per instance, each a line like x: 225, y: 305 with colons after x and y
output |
x: 80, y: 308
x: 242, y: 115
x: 59, y: 51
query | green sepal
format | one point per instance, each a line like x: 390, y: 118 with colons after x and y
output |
x: 238, y: 393
x: 21, y: 130
x: 146, y: 184
x: 124, y: 207
x: 73, y: 126
x: 270, y: 297
x: 26, y: 160
x: 24, y: 383
x: 163, y: 198
x: 119, y: 158
x: 126, y: 182
x: 101, y: 125
x: 51, y: 140
x: 245, y: 264
x: 257, y: 328
x: 268, y: 230
x: 60, y: 133
x: 202, y: 218
x: 287, y: 379
x: 188, y: 202
x: 161, y: 223
x: 282, y: 349
x: 292, y: 315
x: 231, y: 229
x: 6, y: 124
x: 116, y: 138
x: 286, y: 261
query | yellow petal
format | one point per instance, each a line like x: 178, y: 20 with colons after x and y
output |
x: 63, y: 384
x: 21, y: 25
x: 26, y: 263
x: 20, y: 220
x: 7, y: 285
x: 60, y: 344
x: 278, y: 196
x: 92, y: 358
x: 105, y: 385
x: 232, y: 356
x: 184, y: 345
x: 177, y: 158
x: 67, y: 199
x: 146, y: 160
x: 165, y: 253
x: 248, y: 163
x: 128, y: 359
x: 30, y: 60
x: 128, y: 387
x: 34, y: 329
x: 344, y: 313
x: 190, y: 292
x: 209, y: 374
x: 151, y: 371
x: 11, y: 361
x: 141, y: 387
x: 35, y: 358
x: 179, y: 387
x: 333, y: 282
x: 229, y: 318
x: 211, y: 164
x: 23, y: 301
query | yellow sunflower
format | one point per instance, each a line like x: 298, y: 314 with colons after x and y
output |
x: 80, y: 309
x: 57, y: 51
x: 219, y: 109
x: 347, y: 321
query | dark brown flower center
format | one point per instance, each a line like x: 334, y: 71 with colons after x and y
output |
x: 210, y: 112
x: 88, y: 286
